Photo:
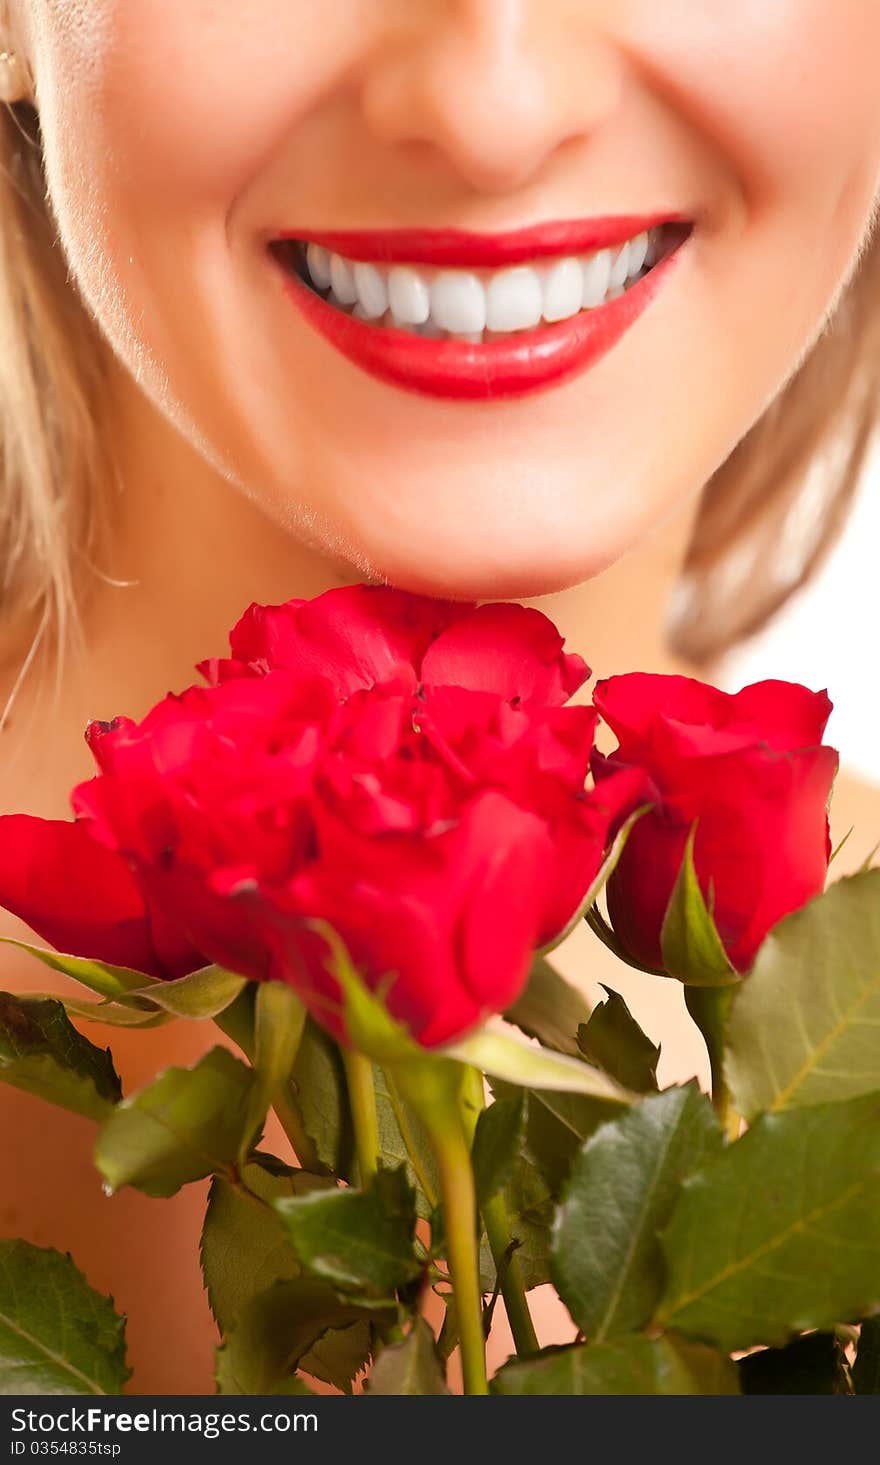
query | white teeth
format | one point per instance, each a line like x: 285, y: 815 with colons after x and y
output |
x: 638, y: 248
x: 563, y: 290
x: 514, y: 300
x: 461, y: 304
x: 408, y: 296
x: 596, y: 274
x: 342, y: 280
x: 372, y: 292
x: 619, y: 268
x: 458, y: 303
x: 318, y: 261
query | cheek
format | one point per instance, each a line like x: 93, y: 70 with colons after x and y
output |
x: 157, y: 118
x: 785, y: 89
x: 786, y: 94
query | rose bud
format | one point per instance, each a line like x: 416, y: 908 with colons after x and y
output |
x: 751, y: 770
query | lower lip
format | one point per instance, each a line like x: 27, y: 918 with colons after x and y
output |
x: 528, y: 362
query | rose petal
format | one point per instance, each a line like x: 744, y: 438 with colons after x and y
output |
x: 81, y: 897
x: 632, y: 703
x: 510, y: 649
x: 352, y: 636
x: 788, y: 714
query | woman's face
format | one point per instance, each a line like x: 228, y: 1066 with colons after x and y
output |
x: 182, y: 140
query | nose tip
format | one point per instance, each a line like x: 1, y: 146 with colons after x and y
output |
x: 496, y: 99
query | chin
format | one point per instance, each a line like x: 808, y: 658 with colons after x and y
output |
x: 483, y: 566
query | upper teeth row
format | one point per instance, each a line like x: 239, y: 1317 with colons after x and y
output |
x: 465, y: 303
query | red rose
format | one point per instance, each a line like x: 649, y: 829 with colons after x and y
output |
x: 84, y: 900
x: 403, y: 768
x: 751, y: 769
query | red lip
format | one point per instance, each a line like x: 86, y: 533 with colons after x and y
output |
x: 463, y: 249
x: 459, y: 370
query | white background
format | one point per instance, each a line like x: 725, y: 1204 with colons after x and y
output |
x: 828, y: 635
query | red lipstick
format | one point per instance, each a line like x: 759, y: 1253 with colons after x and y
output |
x: 528, y: 360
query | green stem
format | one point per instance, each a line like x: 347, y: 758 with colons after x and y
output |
x: 723, y: 1106
x: 710, y: 1009
x: 434, y: 1091
x: 497, y: 1223
x: 513, y: 1288
x: 459, y: 1209
x: 362, y: 1098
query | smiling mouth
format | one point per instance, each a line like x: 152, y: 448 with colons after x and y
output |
x: 476, y: 306
x: 460, y: 315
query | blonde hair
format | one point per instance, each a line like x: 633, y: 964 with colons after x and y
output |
x: 54, y: 369
x: 767, y: 517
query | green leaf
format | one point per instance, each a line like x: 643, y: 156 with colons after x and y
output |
x: 57, y: 1335
x: 359, y: 1240
x: 279, y: 1020
x: 99, y: 976
x: 319, y: 1094
x: 497, y: 1142
x: 605, y: 871
x: 410, y: 1367
x: 42, y: 1053
x: 613, y: 1039
x: 275, y: 1332
x: 556, y: 1127
x: 245, y: 1250
x: 244, y: 1247
x: 631, y: 1365
x: 812, y: 1365
x: 607, y: 1261
x: 508, y: 1056
x: 201, y: 994
x: 550, y: 1009
x: 529, y: 1196
x: 340, y: 1354
x: 403, y: 1141
x: 866, y: 1369
x: 692, y: 949
x: 529, y: 1205
x: 185, y: 1124
x: 780, y: 1233
x: 804, y: 1025
x: 112, y: 1014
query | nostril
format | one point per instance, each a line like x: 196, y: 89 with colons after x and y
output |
x: 489, y: 94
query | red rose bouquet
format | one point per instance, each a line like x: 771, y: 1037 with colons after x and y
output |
x: 353, y: 849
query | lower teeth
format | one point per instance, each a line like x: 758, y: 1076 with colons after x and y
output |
x: 432, y: 332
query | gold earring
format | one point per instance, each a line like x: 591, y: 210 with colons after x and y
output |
x: 13, y: 83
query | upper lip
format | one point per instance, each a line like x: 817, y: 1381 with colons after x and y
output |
x: 464, y: 248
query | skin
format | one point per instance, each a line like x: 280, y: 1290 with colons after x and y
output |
x: 257, y: 463
x: 177, y: 144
